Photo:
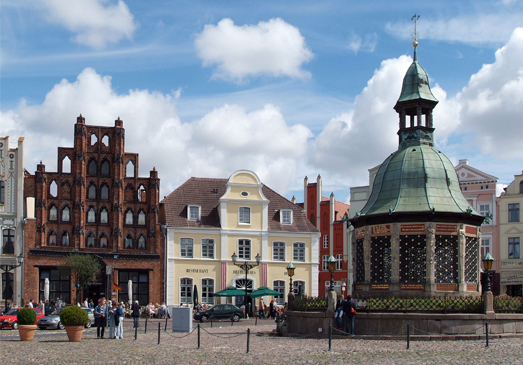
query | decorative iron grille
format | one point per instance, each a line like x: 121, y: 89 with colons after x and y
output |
x: 471, y: 260
x: 413, y: 266
x: 380, y: 259
x: 446, y: 259
x: 508, y: 304
x: 428, y: 304
x: 360, y: 262
x: 310, y: 304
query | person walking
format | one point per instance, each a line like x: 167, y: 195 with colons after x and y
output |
x: 349, y: 310
x: 338, y: 315
x: 100, y: 314
x: 262, y: 309
x: 136, y: 313
x: 111, y: 318
x: 118, y: 316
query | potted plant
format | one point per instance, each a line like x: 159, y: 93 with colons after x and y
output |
x: 26, y: 318
x: 74, y: 319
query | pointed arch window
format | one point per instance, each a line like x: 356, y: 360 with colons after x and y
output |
x: 65, y: 238
x: 104, y: 192
x: 91, y: 193
x: 66, y: 165
x: 51, y: 241
x: 129, y: 169
x: 142, y: 197
x: 66, y: 216
x: 141, y: 218
x: 129, y: 217
x: 129, y: 241
x: 93, y: 139
x: 91, y: 215
x: 103, y: 241
x: 105, y: 140
x: 93, y: 167
x: 105, y: 168
x: 104, y: 216
x: 53, y: 213
x: 90, y: 240
x: 53, y: 189
x: 141, y: 242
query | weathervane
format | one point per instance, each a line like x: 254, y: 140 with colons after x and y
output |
x: 415, y: 35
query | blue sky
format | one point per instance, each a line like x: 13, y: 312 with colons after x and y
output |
x: 286, y: 89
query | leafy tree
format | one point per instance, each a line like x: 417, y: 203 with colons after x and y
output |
x: 84, y: 269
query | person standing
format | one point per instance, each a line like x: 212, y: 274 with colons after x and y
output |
x: 349, y: 310
x: 272, y: 310
x: 338, y: 315
x: 118, y: 316
x: 100, y: 314
x: 91, y: 304
x: 110, y: 318
x: 262, y: 309
x: 136, y: 313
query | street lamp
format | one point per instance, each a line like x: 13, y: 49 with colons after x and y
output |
x: 290, y: 272
x: 487, y: 264
x: 245, y: 267
x: 6, y: 269
x: 331, y: 265
x: 343, y: 286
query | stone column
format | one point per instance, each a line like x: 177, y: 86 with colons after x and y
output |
x: 430, y: 273
x: 462, y: 285
x: 395, y: 258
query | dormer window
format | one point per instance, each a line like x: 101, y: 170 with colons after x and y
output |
x: 194, y: 212
x: 286, y: 216
x: 244, y: 215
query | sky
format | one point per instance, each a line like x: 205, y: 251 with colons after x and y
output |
x: 286, y: 89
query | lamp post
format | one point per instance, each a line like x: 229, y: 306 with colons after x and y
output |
x: 343, y: 286
x: 245, y: 266
x: 6, y: 269
x: 290, y: 272
x: 331, y: 265
x: 487, y: 264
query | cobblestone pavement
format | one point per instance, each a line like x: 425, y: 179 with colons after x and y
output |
x: 226, y: 344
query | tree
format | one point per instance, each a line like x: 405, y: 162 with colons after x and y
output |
x: 84, y: 269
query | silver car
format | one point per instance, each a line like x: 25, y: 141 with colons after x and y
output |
x: 52, y: 321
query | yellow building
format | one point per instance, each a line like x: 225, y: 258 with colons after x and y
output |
x: 207, y: 220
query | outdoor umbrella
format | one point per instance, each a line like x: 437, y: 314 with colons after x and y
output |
x: 195, y: 295
x: 263, y: 291
x: 130, y: 291
x: 231, y: 291
x: 46, y: 289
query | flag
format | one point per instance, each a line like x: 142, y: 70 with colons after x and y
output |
x: 116, y: 286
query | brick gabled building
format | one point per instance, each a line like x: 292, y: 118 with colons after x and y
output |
x: 95, y: 204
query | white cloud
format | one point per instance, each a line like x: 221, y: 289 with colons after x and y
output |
x: 95, y: 22
x: 492, y: 103
x: 486, y: 28
x: 273, y: 48
x: 226, y: 139
x: 356, y: 43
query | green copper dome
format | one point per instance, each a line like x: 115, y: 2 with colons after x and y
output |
x: 416, y: 179
x: 416, y: 83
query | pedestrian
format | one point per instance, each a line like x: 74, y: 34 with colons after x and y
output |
x: 100, y: 317
x: 272, y: 310
x: 111, y: 307
x: 136, y: 314
x: 41, y: 306
x: 85, y: 303
x: 338, y: 315
x: 349, y: 310
x: 49, y: 308
x: 30, y: 304
x: 118, y: 317
x: 58, y: 303
x: 91, y: 304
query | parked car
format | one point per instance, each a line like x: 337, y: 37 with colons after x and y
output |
x: 52, y: 321
x: 220, y: 311
x: 9, y: 319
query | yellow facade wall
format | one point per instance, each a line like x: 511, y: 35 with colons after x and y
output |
x: 256, y: 216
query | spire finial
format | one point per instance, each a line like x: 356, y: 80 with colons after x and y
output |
x: 415, y: 35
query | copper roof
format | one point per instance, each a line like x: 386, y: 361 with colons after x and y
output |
x: 206, y: 192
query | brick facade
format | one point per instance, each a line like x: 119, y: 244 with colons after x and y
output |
x: 95, y: 204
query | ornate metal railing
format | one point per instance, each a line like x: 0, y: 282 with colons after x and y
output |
x: 507, y: 304
x: 310, y: 304
x: 421, y: 305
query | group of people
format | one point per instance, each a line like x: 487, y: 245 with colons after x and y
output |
x: 345, y: 308
x: 111, y: 314
x: 262, y: 310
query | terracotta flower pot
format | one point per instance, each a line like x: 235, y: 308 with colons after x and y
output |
x: 74, y: 333
x: 27, y: 332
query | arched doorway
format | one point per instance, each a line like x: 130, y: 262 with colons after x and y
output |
x: 247, y: 285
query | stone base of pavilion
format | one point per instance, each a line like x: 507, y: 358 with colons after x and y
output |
x: 316, y: 324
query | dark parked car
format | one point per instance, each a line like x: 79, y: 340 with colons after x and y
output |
x: 220, y: 311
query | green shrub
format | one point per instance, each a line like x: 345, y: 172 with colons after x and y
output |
x: 26, y: 316
x: 73, y: 315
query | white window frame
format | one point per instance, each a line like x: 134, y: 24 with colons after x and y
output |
x: 66, y: 217
x: 486, y: 245
x: 244, y: 215
x: 324, y: 263
x: 325, y: 241
x: 207, y: 290
x: 209, y: 243
x: 91, y: 215
x: 141, y: 239
x: 141, y: 218
x: 514, y: 244
x: 244, y: 250
x: 53, y: 213
x: 129, y: 217
x: 278, y: 248
x: 187, y: 247
x: 188, y: 284
x: 296, y: 287
x: 339, y: 262
x: 286, y: 216
x: 104, y: 216
x: 279, y: 285
x: 483, y: 211
x: 194, y: 209
x: 298, y: 250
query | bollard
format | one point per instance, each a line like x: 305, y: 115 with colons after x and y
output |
x: 408, y: 336
x: 232, y: 322
x: 135, y: 333
x: 211, y: 321
x: 330, y: 337
x: 198, y: 336
x: 486, y: 330
x: 166, y: 323
x: 248, y: 338
x: 146, y: 324
x: 159, y: 330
